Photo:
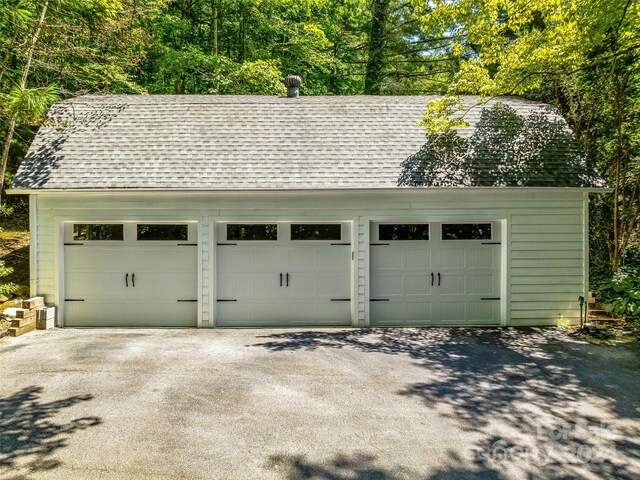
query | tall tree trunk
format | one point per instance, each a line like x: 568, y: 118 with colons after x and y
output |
x: 377, y: 40
x: 179, y: 85
x: 215, y: 15
x: 5, y: 151
x: 243, y: 35
x: 22, y: 85
x: 620, y: 187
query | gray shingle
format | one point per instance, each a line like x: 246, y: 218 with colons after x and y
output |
x: 207, y: 142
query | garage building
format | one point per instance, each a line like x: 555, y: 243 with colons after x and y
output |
x: 243, y: 211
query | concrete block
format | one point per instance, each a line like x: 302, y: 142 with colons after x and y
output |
x: 45, y: 323
x: 46, y: 313
x: 33, y: 303
x: 46, y: 318
x: 9, y: 312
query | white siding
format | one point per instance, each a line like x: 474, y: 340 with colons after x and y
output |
x: 45, y: 281
x: 545, y: 251
x: 204, y: 231
x: 362, y: 252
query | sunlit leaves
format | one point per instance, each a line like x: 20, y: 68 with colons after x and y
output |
x: 254, y: 78
x: 442, y: 115
x: 30, y: 103
x: 519, y: 41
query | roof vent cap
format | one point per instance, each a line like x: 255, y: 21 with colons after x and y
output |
x: 292, y: 82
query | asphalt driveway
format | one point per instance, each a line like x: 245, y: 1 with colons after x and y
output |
x: 317, y: 404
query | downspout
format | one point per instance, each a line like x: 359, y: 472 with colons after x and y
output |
x: 585, y: 207
x: 583, y: 300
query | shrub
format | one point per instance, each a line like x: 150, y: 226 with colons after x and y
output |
x: 621, y: 292
x: 6, y: 288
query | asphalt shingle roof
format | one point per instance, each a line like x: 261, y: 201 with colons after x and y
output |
x: 207, y: 142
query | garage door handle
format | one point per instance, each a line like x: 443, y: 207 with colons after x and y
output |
x: 126, y: 280
x: 432, y: 277
x: 280, y: 279
x: 133, y: 279
x: 438, y: 278
x: 287, y: 279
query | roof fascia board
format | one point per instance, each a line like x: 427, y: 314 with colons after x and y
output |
x: 412, y: 190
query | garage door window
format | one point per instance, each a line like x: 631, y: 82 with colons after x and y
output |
x: 304, y: 231
x: 146, y: 231
x: 403, y: 231
x: 252, y: 231
x: 98, y: 231
x: 466, y: 231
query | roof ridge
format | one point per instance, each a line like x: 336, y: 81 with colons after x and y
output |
x: 199, y: 99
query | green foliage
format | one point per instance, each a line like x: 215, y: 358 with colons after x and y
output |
x: 324, y: 41
x: 30, y: 104
x: 620, y: 291
x: 192, y: 71
x: 192, y: 49
x: 623, y: 293
x: 5, y: 211
x: 508, y: 47
x: 6, y: 288
x: 254, y: 78
x: 442, y: 115
x: 515, y: 47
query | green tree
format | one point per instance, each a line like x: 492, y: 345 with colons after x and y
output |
x: 337, y: 46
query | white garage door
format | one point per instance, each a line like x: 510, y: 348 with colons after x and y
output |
x: 283, y: 274
x: 435, y: 274
x: 133, y: 275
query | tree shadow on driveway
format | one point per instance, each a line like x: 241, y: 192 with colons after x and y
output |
x: 544, y: 404
x: 364, y: 467
x: 29, y: 436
